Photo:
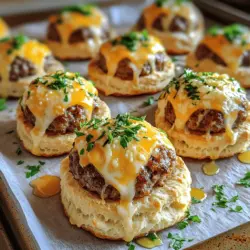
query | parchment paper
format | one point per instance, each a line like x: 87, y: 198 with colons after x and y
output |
x: 45, y: 219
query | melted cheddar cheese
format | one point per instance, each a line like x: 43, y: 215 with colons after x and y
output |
x: 4, y: 31
x: 47, y: 103
x: 145, y: 52
x: 31, y: 50
x: 217, y: 92
x: 169, y: 10
x: 72, y: 21
x: 230, y: 52
x: 120, y: 166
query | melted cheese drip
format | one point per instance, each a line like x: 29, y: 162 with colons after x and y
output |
x: 244, y: 157
x: 198, y: 194
x: 148, y: 243
x: 230, y: 52
x: 46, y: 186
x: 4, y: 31
x: 143, y: 54
x: 72, y: 21
x: 46, y: 104
x: 32, y: 51
x: 120, y: 166
x: 210, y: 168
x: 225, y: 98
x: 170, y: 10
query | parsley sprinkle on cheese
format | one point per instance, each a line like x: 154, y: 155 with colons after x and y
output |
x: 177, y: 241
x: 85, y: 10
x: 245, y: 181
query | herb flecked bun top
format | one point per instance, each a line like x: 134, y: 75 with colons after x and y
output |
x: 50, y: 96
x: 194, y: 91
x: 4, y: 30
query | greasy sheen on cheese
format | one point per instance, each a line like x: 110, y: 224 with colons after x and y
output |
x: 144, y: 50
x: 194, y: 91
x: 4, y: 31
x: 229, y: 43
x: 170, y: 9
x: 20, y: 46
x: 49, y: 97
x: 69, y: 21
x: 118, y: 157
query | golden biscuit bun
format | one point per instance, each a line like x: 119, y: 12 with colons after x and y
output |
x: 141, y: 70
x: 159, y: 20
x: 74, y: 35
x: 22, y: 65
x: 228, y: 55
x: 164, y: 207
x: 202, y: 146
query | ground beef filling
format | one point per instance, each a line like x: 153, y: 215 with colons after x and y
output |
x: 152, y: 175
x: 124, y: 70
x: 206, y: 121
x: 203, y: 52
x: 63, y: 124
x: 53, y: 34
x: 83, y: 34
x: 245, y: 61
x: 20, y: 68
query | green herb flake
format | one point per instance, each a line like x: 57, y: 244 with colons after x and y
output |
x: 237, y: 209
x: 18, y: 151
x: 79, y: 133
x: 152, y: 236
x: 89, y: 137
x: 182, y: 225
x: 245, y: 181
x: 190, y: 218
x: 3, y: 105
x: 160, y: 3
x: 42, y: 163
x: 82, y: 151
x: 177, y: 241
x: 20, y: 162
x: 90, y: 146
x: 32, y: 170
x: 131, y: 246
x: 17, y: 42
x: 149, y: 101
x: 195, y: 201
x: 85, y: 10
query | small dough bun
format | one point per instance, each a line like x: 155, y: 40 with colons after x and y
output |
x: 179, y: 26
x: 163, y: 208
x: 45, y: 101
x: 77, y: 32
x: 216, y: 53
x: 22, y: 65
x: 218, y: 93
x: 118, y: 70
x: 4, y: 30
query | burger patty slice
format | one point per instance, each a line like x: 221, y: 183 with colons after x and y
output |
x: 20, y: 68
x: 53, y: 34
x: 203, y: 52
x: 153, y: 175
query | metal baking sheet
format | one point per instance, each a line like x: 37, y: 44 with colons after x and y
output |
x: 42, y: 223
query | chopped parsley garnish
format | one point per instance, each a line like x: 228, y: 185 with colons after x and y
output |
x: 122, y: 128
x: 5, y: 39
x: 42, y: 163
x: 237, y: 209
x: 132, y: 39
x: 177, y: 241
x: 149, y: 101
x: 131, y: 246
x: 190, y: 218
x: 232, y: 32
x: 245, y: 181
x: 18, y: 151
x: 10, y: 132
x: 79, y: 133
x: 86, y: 9
x: 3, y: 105
x: 152, y: 236
x: 82, y: 151
x: 160, y: 3
x: 32, y: 170
x: 222, y: 200
x: 195, y: 201
x: 17, y: 42
x: 20, y: 162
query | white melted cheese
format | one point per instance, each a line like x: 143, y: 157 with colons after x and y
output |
x: 219, y: 93
x: 115, y: 53
x: 120, y: 166
x: 31, y: 50
x: 46, y: 104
